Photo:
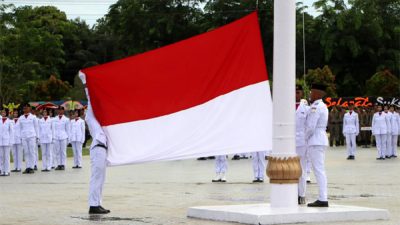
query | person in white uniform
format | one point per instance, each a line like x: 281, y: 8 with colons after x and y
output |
x: 302, y: 109
x: 6, y: 139
x: 54, y: 155
x: 380, y: 130
x: 77, y: 137
x: 61, y: 131
x: 98, y: 158
x: 46, y: 134
x: 17, y: 150
x: 395, y: 126
x: 29, y: 133
x: 389, y: 132
x: 351, y: 129
x: 221, y: 165
x: 259, y: 167
x: 317, y: 142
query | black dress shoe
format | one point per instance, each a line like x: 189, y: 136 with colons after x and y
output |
x: 35, y: 167
x: 236, y: 157
x: 394, y: 156
x: 14, y: 171
x: 62, y: 167
x: 45, y: 170
x: 318, y: 203
x: 216, y: 180
x: 105, y: 209
x: 352, y: 157
x: 98, y: 210
x: 388, y: 157
x: 202, y: 158
x: 79, y: 167
x: 301, y: 200
x: 348, y: 157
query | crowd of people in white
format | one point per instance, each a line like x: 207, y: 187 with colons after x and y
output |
x: 21, y: 136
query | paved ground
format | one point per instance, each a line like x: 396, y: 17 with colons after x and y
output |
x: 160, y: 193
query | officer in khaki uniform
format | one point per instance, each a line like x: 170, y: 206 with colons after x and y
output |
x: 333, y: 126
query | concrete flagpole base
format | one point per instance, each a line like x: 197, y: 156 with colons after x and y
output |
x: 265, y: 214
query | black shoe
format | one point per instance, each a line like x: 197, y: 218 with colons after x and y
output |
x: 255, y: 181
x: 45, y: 170
x: 352, y: 157
x: 105, y: 209
x: 79, y: 167
x: 53, y: 167
x: 318, y: 203
x: 98, y: 210
x: 394, y: 156
x: 301, y: 200
x: 58, y: 167
x: 348, y: 157
x: 28, y: 171
x: 62, y: 167
x: 211, y: 157
x: 202, y: 158
x: 15, y: 171
x: 35, y: 168
x: 236, y: 157
x: 216, y: 180
x: 388, y: 157
x: 75, y: 167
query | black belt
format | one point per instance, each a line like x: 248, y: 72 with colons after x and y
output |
x: 101, y: 146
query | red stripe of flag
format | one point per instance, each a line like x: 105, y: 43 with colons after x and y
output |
x: 178, y: 76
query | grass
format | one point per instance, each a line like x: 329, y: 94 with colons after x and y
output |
x: 70, y: 154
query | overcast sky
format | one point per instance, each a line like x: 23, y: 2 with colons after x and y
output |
x: 91, y: 10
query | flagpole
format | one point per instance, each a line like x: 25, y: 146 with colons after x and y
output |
x: 284, y: 166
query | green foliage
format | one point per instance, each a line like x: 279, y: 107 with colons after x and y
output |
x: 383, y: 83
x: 51, y: 89
x: 322, y: 76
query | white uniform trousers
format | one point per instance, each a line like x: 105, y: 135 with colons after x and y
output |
x: 302, y: 153
x: 351, y: 144
x: 316, y: 153
x: 77, y: 149
x: 258, y: 159
x: 221, y: 164
x: 394, y: 144
x: 29, y: 151
x: 98, y: 157
x: 54, y: 155
x: 5, y: 159
x: 388, y: 145
x: 46, y: 155
x: 381, y: 144
x: 61, y: 151
x: 36, y: 153
x: 17, y: 153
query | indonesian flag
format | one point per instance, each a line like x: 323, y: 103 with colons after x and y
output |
x: 204, y: 96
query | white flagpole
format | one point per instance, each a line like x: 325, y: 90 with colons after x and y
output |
x: 284, y: 190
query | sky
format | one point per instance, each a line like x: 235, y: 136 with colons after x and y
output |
x: 91, y: 10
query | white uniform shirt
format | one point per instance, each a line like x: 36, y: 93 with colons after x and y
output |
x: 351, y: 124
x: 6, y: 132
x: 389, y: 125
x: 61, y: 127
x: 301, y: 117
x: 395, y: 123
x: 29, y: 126
x: 77, y: 130
x: 317, y: 121
x: 379, y: 123
x: 46, y: 130
x: 17, y: 132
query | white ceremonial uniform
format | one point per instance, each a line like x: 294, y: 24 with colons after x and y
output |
x: 17, y: 150
x: 395, y: 125
x: 301, y: 146
x: 61, y: 131
x: 388, y: 135
x: 98, y: 154
x: 54, y: 155
x: 221, y: 164
x: 351, y: 129
x: 77, y: 137
x: 6, y: 141
x: 259, y: 167
x: 29, y: 133
x: 46, y: 134
x: 379, y: 130
x: 317, y: 142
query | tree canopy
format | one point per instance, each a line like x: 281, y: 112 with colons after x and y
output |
x: 40, y: 47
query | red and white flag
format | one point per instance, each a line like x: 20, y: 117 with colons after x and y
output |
x: 204, y: 96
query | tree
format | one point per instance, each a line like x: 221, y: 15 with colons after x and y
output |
x: 383, y: 83
x: 51, y: 89
x: 322, y: 76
